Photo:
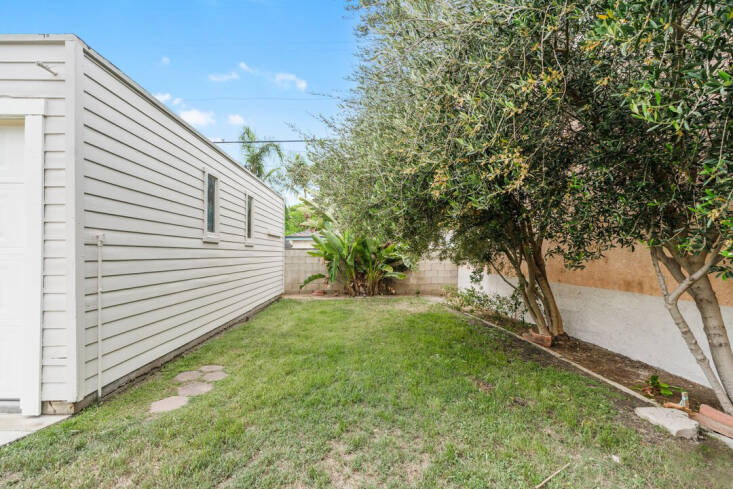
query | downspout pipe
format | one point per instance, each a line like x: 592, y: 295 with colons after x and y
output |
x: 100, y: 248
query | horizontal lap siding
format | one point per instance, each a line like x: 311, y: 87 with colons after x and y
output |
x: 21, y: 77
x: 143, y: 188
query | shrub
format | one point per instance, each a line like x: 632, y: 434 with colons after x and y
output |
x: 475, y: 300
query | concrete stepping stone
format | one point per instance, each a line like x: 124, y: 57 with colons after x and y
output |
x: 168, y: 404
x: 194, y: 389
x: 672, y: 420
x: 214, y: 376
x: 187, y: 376
x: 211, y: 368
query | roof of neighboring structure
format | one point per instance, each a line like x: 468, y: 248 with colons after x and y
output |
x: 301, y: 235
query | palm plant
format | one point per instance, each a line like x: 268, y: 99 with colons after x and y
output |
x: 338, y: 251
x: 360, y: 264
x: 256, y: 154
x: 377, y: 262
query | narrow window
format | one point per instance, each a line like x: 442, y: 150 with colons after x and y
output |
x: 250, y: 215
x: 210, y: 203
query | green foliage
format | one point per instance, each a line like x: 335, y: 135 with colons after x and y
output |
x: 665, y: 68
x: 465, y: 123
x: 295, y: 217
x: 361, y: 265
x: 502, y: 132
x: 317, y: 216
x: 296, y: 175
x: 495, y: 304
x: 654, y: 386
x: 255, y: 155
x: 376, y: 262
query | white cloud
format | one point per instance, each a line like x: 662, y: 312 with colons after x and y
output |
x: 287, y: 80
x: 235, y: 119
x: 163, y: 97
x: 197, y: 117
x: 177, y: 101
x: 223, y: 77
x: 165, y: 61
x: 245, y: 67
x: 216, y: 140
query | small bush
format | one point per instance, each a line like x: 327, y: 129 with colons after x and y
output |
x: 475, y: 300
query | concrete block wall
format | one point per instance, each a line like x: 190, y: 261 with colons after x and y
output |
x: 299, y: 265
x: 429, y: 277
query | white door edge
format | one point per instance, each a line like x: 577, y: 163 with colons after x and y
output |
x: 32, y: 111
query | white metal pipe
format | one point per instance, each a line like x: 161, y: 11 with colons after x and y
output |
x: 100, y: 247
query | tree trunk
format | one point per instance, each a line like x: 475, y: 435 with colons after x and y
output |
x: 538, y: 278
x: 704, y: 296
x: 715, y: 331
x: 556, y: 324
x: 531, y: 301
x: 539, y: 299
x: 700, y: 357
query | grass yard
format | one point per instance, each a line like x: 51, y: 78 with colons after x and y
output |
x: 365, y: 393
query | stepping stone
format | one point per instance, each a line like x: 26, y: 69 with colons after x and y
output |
x: 672, y: 420
x: 211, y: 368
x: 194, y: 389
x: 214, y: 376
x: 168, y: 404
x: 187, y: 376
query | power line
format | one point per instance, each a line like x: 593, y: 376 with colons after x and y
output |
x: 315, y: 99
x: 265, y: 141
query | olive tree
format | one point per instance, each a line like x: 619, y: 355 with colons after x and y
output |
x: 664, y: 152
x: 462, y: 133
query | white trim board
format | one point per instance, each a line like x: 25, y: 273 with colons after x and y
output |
x: 32, y: 111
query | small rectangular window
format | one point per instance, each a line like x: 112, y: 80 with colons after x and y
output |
x: 210, y: 203
x: 211, y: 207
x: 250, y: 215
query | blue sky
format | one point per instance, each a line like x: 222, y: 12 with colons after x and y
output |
x: 217, y: 63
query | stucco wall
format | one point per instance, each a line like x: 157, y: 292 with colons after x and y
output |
x: 429, y: 277
x: 633, y: 324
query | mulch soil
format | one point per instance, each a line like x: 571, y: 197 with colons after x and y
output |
x: 627, y: 372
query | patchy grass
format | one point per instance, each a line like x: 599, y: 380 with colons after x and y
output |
x: 364, y: 393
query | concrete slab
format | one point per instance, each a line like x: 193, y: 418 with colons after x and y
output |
x: 676, y: 422
x: 168, y: 404
x: 194, y: 389
x: 726, y: 440
x: 188, y: 376
x: 16, y: 426
x: 10, y: 436
x: 211, y: 368
x: 214, y: 376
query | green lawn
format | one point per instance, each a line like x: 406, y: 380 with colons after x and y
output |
x: 365, y: 393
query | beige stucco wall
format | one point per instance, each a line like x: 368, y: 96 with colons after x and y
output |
x: 627, y: 271
x: 615, y: 303
x: 429, y: 277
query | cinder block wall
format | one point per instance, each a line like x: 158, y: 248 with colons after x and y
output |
x: 299, y: 265
x: 429, y: 278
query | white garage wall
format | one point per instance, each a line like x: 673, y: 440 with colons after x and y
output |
x: 22, y: 77
x: 635, y: 325
x: 143, y: 189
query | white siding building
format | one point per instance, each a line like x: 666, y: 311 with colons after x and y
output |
x: 125, y: 235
